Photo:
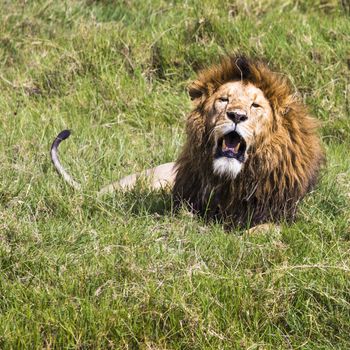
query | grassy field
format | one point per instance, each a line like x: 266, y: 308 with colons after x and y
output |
x: 124, y: 272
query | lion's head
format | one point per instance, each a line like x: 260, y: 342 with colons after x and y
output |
x: 252, y: 151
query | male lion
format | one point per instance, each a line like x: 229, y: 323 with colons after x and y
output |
x: 252, y: 151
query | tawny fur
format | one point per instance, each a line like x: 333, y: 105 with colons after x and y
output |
x: 282, y: 165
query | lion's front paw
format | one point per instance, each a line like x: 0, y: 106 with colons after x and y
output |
x: 263, y: 228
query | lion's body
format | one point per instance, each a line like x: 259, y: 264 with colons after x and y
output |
x: 159, y: 177
x: 252, y: 150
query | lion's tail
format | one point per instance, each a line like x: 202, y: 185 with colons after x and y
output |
x: 56, y: 162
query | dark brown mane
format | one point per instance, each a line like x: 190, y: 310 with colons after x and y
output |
x: 281, y: 168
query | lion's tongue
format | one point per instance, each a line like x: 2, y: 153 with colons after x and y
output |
x: 230, y: 144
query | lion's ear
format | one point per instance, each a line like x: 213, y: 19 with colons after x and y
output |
x: 197, y: 91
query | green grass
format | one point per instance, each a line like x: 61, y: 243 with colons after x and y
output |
x: 124, y: 272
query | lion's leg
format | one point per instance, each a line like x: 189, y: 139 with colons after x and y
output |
x: 263, y: 228
x: 162, y: 176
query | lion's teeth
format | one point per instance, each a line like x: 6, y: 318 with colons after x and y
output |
x: 230, y: 147
x: 224, y: 144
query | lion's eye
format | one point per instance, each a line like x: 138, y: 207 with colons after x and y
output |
x: 255, y: 105
x: 223, y: 99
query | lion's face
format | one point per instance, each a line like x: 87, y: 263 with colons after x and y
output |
x: 238, y: 116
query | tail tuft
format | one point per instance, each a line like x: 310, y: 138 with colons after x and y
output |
x: 64, y: 134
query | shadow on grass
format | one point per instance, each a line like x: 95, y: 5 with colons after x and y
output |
x: 136, y: 202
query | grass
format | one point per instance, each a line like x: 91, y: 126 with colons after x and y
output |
x: 123, y: 272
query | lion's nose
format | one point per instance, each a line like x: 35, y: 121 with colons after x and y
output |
x: 237, y: 117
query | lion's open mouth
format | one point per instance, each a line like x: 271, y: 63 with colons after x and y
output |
x: 231, y: 145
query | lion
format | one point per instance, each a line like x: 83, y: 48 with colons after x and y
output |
x: 252, y: 150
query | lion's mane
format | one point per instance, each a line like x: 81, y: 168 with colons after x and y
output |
x: 281, y: 168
